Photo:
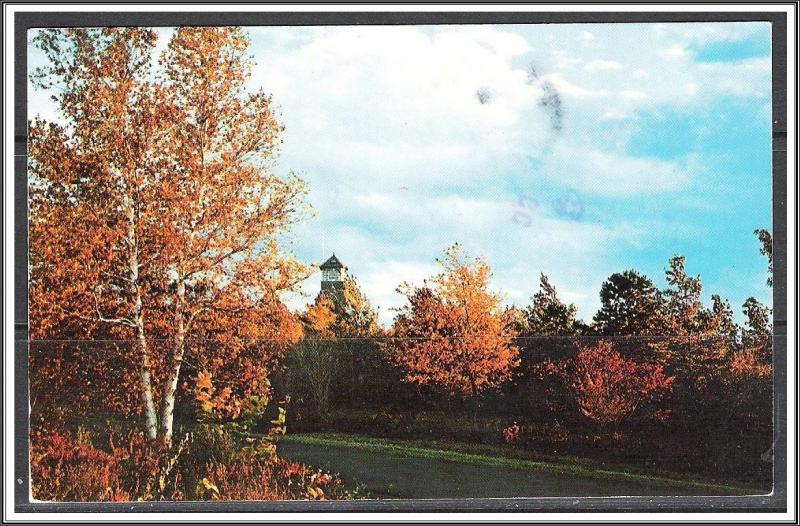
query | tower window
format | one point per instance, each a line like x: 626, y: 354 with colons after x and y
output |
x: 331, y: 274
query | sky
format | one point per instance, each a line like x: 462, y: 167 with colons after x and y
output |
x: 576, y: 150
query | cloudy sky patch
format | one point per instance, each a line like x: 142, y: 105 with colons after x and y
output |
x: 576, y: 150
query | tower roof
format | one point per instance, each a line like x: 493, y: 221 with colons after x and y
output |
x: 333, y: 262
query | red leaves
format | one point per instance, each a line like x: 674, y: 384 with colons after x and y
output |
x: 70, y: 468
x: 607, y: 388
x: 511, y: 433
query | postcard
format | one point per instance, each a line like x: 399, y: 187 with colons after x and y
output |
x: 398, y: 262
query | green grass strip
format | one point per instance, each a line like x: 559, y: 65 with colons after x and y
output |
x: 403, y: 449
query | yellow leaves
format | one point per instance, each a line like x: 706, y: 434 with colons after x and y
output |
x: 210, y: 488
x: 281, y: 420
x: 315, y: 493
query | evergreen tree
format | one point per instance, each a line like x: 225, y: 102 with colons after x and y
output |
x: 630, y: 306
x: 766, y: 249
x: 547, y: 314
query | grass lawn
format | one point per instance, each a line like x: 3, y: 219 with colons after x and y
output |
x: 394, y: 468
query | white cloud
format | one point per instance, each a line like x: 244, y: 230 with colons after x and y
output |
x: 633, y: 94
x: 371, y: 110
x: 569, y: 89
x: 608, y: 173
x: 379, y: 105
x: 421, y: 228
x: 602, y: 65
x: 676, y: 51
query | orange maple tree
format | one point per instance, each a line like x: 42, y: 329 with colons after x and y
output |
x: 156, y: 213
x: 453, y: 332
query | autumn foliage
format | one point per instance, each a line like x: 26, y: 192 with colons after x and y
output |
x: 155, y: 215
x: 70, y: 468
x: 156, y: 265
x: 453, y: 333
x: 157, y: 272
x: 605, y: 387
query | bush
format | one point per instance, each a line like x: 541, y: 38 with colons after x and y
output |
x: 69, y: 468
x: 607, y: 389
x: 253, y: 478
x: 511, y: 433
x: 209, y: 464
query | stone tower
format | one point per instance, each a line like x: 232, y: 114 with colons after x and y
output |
x: 333, y: 273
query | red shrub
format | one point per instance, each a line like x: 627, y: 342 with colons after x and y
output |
x: 258, y: 478
x: 245, y: 481
x: 64, y: 470
x: 607, y: 388
x: 67, y: 468
x: 511, y: 433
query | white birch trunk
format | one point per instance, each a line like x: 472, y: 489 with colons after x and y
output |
x: 168, y: 409
x: 148, y: 405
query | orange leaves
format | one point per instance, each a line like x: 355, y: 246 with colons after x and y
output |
x: 454, y: 334
x: 158, y: 193
x: 212, y: 400
x: 204, y: 392
x: 748, y: 363
x: 203, y: 381
x: 319, y: 317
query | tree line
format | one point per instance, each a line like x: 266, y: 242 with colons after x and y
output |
x: 453, y: 332
x: 653, y: 369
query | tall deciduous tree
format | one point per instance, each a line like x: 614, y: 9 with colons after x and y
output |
x: 683, y: 304
x: 453, y: 333
x: 226, y: 207
x: 90, y: 192
x: 174, y: 207
x: 695, y: 337
x: 756, y: 334
x: 757, y: 330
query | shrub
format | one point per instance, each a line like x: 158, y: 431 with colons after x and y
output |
x: 209, y: 464
x: 67, y: 468
x: 607, y: 389
x: 64, y: 470
x: 511, y: 433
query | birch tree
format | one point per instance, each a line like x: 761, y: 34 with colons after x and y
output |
x: 166, y: 174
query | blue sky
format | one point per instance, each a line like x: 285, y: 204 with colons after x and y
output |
x: 415, y: 137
